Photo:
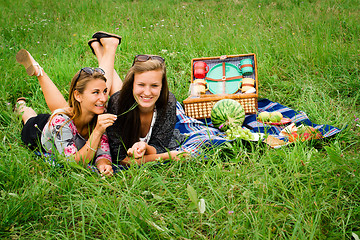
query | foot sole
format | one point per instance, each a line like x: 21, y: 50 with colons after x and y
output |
x: 23, y: 57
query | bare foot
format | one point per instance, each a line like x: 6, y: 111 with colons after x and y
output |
x: 32, y: 67
x: 109, y: 42
x: 97, y: 48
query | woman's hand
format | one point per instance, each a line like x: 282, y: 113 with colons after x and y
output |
x: 105, y: 167
x: 138, y: 150
x: 104, y: 121
x: 175, y: 155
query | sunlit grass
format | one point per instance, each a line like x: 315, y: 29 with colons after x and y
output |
x: 308, y: 59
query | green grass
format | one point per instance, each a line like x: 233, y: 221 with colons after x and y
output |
x: 308, y: 59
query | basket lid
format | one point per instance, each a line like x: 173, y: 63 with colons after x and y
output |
x: 224, y: 78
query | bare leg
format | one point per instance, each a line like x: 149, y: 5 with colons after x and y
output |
x: 105, y: 53
x: 53, y: 97
x: 117, y: 83
x: 25, y: 112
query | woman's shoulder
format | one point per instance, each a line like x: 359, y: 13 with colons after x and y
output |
x: 172, y: 97
x: 59, y: 116
x: 171, y: 101
x: 168, y: 110
x: 64, y: 113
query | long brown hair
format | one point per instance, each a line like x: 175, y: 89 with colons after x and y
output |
x: 79, y: 83
x: 130, y: 122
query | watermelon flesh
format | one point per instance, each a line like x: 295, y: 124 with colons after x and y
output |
x: 226, y: 114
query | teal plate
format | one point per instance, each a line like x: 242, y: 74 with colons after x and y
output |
x: 216, y: 72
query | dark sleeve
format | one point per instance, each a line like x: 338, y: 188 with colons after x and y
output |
x: 164, y: 126
x: 117, y: 149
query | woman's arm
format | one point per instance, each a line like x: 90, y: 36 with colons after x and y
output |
x: 88, y: 151
x: 63, y: 133
x: 103, y: 158
x: 151, y: 158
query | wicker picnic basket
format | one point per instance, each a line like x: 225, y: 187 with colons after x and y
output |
x: 199, y: 107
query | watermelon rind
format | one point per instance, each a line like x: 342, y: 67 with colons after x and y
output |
x: 227, y: 113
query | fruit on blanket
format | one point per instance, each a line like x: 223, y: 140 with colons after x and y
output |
x: 264, y: 116
x: 293, y: 136
x: 301, y: 133
x: 278, y: 114
x: 274, y: 118
x: 308, y: 133
x: 239, y: 132
x: 227, y: 113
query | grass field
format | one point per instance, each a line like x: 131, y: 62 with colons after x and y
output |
x: 308, y: 59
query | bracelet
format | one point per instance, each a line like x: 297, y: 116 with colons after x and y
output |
x: 88, y: 145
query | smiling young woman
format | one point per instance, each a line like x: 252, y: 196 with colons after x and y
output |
x: 77, y: 128
x: 147, y: 132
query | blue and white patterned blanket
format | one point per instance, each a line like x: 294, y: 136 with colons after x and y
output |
x: 202, y: 133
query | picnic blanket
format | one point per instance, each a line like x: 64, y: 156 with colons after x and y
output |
x: 202, y: 133
x: 297, y: 117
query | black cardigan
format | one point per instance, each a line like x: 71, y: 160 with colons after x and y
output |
x: 164, y: 137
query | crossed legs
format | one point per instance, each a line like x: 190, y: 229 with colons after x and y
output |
x: 105, y: 52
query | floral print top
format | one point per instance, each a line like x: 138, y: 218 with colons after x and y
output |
x: 60, y: 132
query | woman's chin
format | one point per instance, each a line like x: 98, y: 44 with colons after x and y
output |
x: 99, y: 111
x: 147, y: 106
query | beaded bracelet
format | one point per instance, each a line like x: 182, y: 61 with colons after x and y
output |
x: 88, y: 145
